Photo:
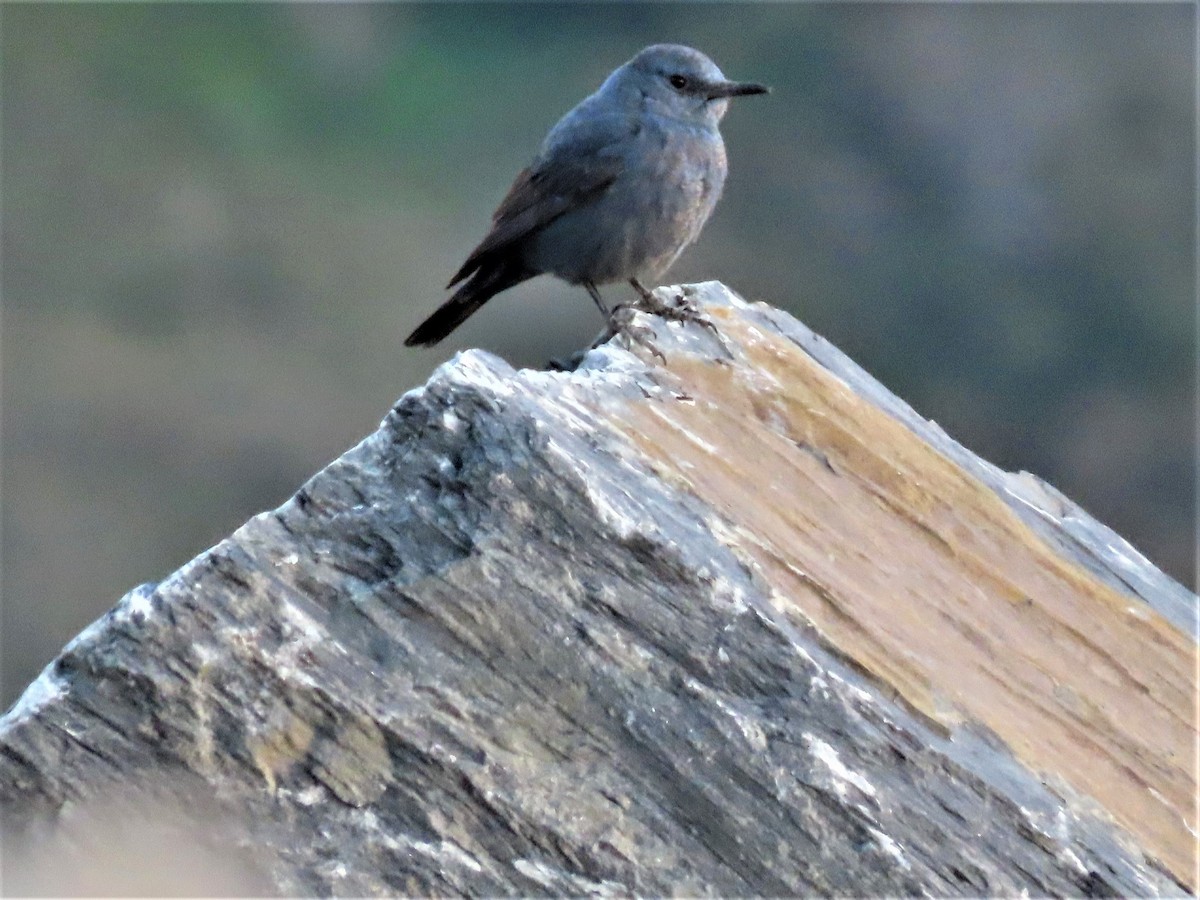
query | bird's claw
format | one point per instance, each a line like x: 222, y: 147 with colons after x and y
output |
x: 680, y: 308
x: 623, y: 320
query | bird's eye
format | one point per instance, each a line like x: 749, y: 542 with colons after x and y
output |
x: 678, y: 82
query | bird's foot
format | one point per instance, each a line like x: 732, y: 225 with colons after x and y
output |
x: 623, y: 320
x: 679, y: 308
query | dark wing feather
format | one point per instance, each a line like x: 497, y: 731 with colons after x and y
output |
x: 541, y: 194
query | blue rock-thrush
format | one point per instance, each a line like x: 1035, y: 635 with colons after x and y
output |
x: 620, y: 186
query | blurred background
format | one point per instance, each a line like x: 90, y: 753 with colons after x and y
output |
x: 220, y: 221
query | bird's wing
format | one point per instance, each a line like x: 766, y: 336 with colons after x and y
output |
x: 569, y: 175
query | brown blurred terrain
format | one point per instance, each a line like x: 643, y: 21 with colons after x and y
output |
x: 220, y: 221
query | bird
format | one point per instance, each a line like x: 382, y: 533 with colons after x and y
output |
x: 620, y: 186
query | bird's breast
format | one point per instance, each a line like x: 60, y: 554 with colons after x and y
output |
x: 682, y: 170
x: 674, y: 182
x: 670, y: 180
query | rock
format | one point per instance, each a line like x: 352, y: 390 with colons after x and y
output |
x: 706, y: 616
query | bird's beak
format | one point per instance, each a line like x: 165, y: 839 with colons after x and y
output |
x: 736, y: 89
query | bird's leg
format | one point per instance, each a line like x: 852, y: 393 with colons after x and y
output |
x: 594, y: 293
x: 646, y: 295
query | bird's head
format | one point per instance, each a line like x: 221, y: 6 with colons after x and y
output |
x: 682, y: 83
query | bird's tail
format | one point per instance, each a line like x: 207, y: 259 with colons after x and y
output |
x: 484, y: 283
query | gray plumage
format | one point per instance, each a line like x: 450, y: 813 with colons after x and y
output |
x: 621, y: 185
